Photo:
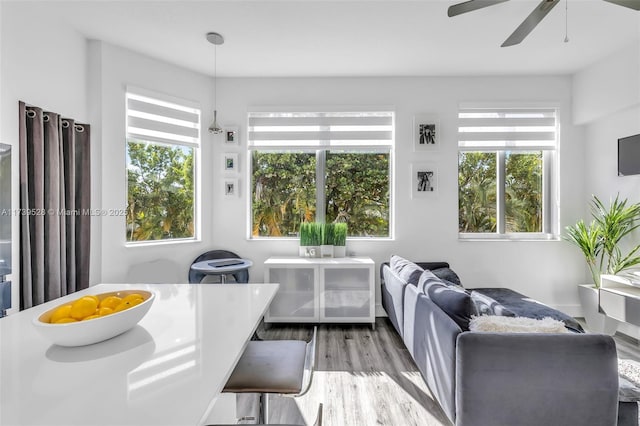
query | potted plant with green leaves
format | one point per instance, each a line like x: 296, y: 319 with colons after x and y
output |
x: 340, y: 239
x: 310, y: 239
x: 602, y: 245
x: 326, y: 249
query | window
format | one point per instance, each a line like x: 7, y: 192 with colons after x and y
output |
x: 320, y: 166
x: 162, y: 142
x: 506, y: 169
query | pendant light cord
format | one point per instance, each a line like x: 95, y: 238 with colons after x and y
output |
x: 215, y: 77
x: 566, y: 21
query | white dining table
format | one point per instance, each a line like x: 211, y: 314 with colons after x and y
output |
x: 167, y: 370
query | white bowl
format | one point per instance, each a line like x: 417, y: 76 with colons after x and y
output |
x: 98, y: 329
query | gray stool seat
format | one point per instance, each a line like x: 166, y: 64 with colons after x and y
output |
x: 283, y: 367
x: 269, y: 367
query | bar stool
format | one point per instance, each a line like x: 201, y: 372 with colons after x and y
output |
x: 283, y: 367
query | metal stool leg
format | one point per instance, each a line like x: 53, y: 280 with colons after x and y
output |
x: 263, y: 415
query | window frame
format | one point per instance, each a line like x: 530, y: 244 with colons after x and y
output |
x: 550, y: 177
x: 196, y: 144
x: 321, y: 149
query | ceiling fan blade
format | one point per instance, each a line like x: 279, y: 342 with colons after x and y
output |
x: 530, y: 23
x: 631, y: 4
x: 471, y: 5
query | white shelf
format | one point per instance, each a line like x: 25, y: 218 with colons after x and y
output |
x: 620, y: 298
x: 322, y: 289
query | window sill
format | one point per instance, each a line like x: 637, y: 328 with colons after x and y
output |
x: 349, y: 239
x: 509, y: 237
x: 162, y: 242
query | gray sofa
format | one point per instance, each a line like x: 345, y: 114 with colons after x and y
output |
x: 501, y: 379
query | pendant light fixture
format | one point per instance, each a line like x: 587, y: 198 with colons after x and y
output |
x: 215, y: 39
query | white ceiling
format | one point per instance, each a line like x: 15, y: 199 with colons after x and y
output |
x: 352, y: 37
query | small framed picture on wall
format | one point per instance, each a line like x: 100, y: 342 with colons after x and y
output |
x: 231, y: 136
x: 231, y: 188
x: 230, y: 163
x: 425, y: 132
x: 424, y: 180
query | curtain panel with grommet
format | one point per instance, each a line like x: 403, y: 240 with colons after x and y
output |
x: 55, y: 203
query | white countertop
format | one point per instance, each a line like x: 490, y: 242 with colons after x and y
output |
x: 167, y: 370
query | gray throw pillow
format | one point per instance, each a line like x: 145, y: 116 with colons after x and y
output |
x: 405, y: 269
x: 453, y: 300
x: 485, y: 305
x: 428, y: 278
x: 447, y: 275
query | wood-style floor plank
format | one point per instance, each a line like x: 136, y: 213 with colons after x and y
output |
x: 364, y: 377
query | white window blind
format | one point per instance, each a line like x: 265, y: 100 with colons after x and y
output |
x: 161, y: 121
x: 513, y: 129
x: 320, y: 129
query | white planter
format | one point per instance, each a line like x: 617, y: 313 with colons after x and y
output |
x: 309, y: 251
x: 339, y: 251
x: 326, y: 250
x: 596, y: 321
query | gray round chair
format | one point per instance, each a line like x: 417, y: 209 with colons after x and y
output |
x: 196, y: 277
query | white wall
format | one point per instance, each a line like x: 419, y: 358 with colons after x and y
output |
x: 608, y: 86
x: 610, y: 116
x: 426, y: 229
x: 43, y: 65
x: 113, y: 69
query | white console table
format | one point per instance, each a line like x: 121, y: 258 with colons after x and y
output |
x: 321, y: 289
x: 620, y: 298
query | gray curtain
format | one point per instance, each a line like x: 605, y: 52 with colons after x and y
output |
x: 55, y: 198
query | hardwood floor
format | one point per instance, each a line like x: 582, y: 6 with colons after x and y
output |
x: 364, y: 377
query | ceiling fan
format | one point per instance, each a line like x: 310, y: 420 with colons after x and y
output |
x: 532, y: 20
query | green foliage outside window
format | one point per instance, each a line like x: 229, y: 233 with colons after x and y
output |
x: 160, y: 192
x: 284, y: 192
x: 357, y: 192
x: 523, y: 192
x: 477, y: 192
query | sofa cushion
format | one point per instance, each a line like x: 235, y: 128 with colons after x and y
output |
x: 485, y: 305
x: 501, y: 324
x: 447, y: 275
x: 405, y: 269
x: 453, y: 300
x: 524, y: 306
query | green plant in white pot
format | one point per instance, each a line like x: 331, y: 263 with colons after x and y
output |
x: 340, y: 239
x: 600, y: 243
x: 310, y: 239
x: 326, y: 249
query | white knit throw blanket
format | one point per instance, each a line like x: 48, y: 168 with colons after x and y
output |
x: 501, y: 324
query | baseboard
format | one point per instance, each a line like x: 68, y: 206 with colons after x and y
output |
x: 571, y: 310
x: 380, y: 312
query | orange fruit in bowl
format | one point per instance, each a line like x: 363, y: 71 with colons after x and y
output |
x: 110, y: 302
x: 83, y: 307
x: 94, y: 298
x: 90, y: 317
x: 62, y: 312
x: 104, y: 311
x: 126, y: 304
x: 64, y: 320
x: 133, y: 296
